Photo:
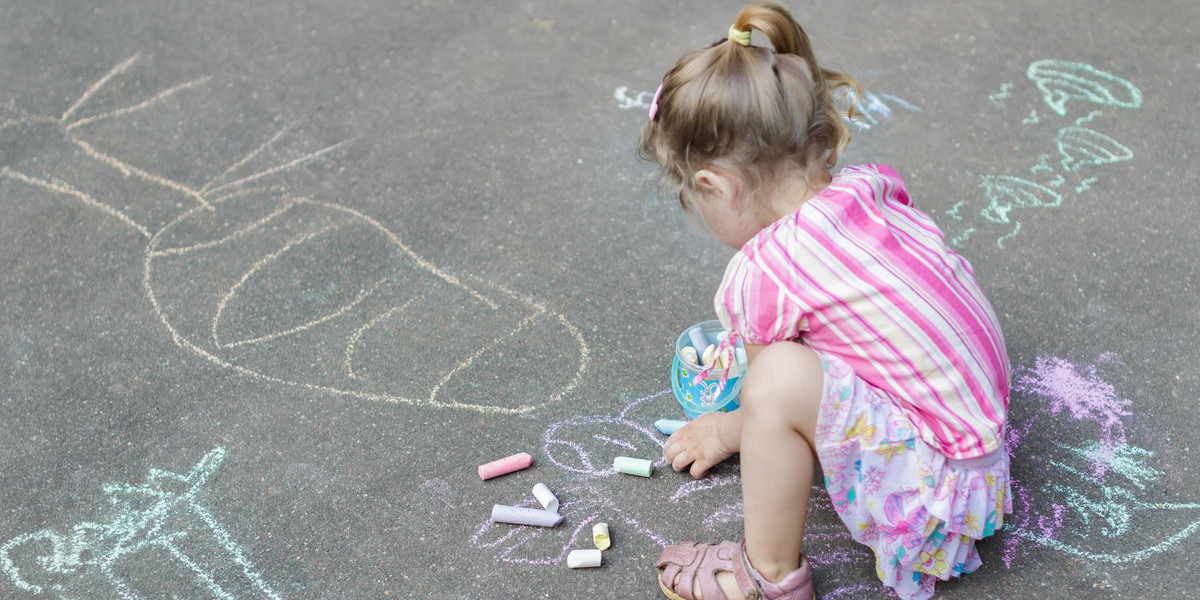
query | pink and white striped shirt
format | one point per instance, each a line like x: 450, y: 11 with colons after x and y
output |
x: 858, y: 273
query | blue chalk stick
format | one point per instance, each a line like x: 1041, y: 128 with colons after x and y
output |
x: 699, y: 340
x: 668, y: 426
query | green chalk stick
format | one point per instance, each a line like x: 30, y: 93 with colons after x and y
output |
x: 633, y: 466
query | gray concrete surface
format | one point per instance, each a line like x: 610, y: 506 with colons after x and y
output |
x: 278, y: 275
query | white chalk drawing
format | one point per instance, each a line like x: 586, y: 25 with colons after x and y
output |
x: 1061, y: 83
x: 874, y: 108
x: 1093, y: 501
x: 255, y: 278
x: 161, y: 531
x: 639, y: 100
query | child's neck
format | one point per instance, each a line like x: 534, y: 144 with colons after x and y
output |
x: 794, y: 187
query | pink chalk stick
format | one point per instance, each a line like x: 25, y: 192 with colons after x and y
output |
x: 505, y: 465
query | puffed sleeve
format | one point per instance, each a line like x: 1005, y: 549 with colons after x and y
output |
x: 754, y: 304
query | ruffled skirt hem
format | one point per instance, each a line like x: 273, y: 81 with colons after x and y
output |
x: 920, y: 512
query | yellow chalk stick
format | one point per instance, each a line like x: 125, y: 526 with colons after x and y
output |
x: 600, y: 536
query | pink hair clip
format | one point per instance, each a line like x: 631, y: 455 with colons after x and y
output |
x: 654, y: 102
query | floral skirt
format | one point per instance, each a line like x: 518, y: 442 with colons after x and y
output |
x: 919, y: 511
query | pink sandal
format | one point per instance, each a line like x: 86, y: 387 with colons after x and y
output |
x: 681, y: 567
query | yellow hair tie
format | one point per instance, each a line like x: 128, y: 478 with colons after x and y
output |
x: 741, y: 37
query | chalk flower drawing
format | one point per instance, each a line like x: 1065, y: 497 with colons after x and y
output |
x: 161, y: 527
x: 274, y: 285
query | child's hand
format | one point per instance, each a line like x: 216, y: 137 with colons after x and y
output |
x: 709, y: 439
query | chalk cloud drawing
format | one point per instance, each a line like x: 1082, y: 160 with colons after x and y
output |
x: 256, y: 278
x: 1061, y: 83
x: 161, y: 527
x: 1090, y: 500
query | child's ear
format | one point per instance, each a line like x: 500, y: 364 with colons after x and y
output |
x: 716, y: 181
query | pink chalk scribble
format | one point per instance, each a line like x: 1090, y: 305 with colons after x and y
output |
x: 1084, y: 396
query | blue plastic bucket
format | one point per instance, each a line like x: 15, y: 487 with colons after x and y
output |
x: 706, y: 395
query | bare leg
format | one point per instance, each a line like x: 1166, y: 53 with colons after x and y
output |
x: 781, y: 396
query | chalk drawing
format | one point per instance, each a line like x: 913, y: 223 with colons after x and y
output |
x: 1062, y: 81
x: 160, y: 528
x: 584, y: 459
x: 1093, y: 500
x: 1059, y: 82
x: 268, y: 283
x: 1006, y: 193
x: 873, y: 108
x: 639, y: 100
x: 1004, y: 93
x: 1080, y: 146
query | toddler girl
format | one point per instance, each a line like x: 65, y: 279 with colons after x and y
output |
x: 871, y: 346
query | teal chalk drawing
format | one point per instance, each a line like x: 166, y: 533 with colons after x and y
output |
x: 1085, y: 184
x: 1080, y: 147
x: 1089, y: 118
x: 1008, y: 236
x: 1006, y: 193
x: 953, y: 212
x: 1103, y: 509
x: 159, y: 527
x: 1043, y: 165
x: 962, y: 238
x: 1062, y: 81
x: 1005, y: 92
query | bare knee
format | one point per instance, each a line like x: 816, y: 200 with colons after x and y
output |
x: 785, y: 382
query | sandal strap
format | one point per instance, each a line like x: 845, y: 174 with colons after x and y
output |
x: 688, y: 566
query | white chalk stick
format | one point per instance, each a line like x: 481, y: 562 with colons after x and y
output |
x: 518, y: 515
x: 600, y: 536
x: 688, y: 355
x: 740, y: 355
x: 581, y: 559
x: 668, y: 426
x: 633, y: 466
x: 545, y: 497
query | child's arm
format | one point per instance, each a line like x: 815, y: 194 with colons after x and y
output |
x: 710, y: 438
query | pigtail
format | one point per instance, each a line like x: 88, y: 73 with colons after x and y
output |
x: 759, y: 107
x: 787, y: 37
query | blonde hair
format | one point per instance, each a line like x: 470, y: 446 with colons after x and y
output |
x: 749, y: 106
